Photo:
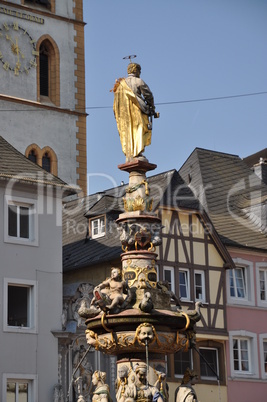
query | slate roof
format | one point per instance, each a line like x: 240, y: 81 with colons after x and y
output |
x: 84, y: 253
x: 78, y: 249
x: 14, y: 165
x: 166, y: 188
x: 107, y: 203
x: 232, y: 195
x: 253, y: 159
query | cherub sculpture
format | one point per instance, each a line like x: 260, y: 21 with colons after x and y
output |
x: 110, y: 294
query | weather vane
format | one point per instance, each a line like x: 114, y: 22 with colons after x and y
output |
x: 132, y: 56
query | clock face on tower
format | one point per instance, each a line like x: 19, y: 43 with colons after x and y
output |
x: 17, y: 49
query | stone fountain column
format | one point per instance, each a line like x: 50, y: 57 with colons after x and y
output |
x: 146, y: 328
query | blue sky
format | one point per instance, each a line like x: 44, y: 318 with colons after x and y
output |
x: 188, y: 50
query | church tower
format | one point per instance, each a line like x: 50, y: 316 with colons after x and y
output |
x: 42, y: 75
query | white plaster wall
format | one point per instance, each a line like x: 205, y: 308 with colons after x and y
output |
x: 25, y: 86
x: 26, y: 125
x: 34, y: 353
x: 63, y: 7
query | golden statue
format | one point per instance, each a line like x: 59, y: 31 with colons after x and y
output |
x: 133, y: 104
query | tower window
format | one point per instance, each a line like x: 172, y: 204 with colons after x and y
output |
x: 46, y: 157
x: 46, y: 162
x: 44, y: 3
x: 32, y: 156
x: 44, y: 70
x: 48, y: 81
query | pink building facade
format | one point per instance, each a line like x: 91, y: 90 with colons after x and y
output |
x: 246, y: 350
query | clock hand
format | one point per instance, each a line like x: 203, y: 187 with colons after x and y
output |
x: 18, y: 64
x: 8, y: 37
x: 22, y: 55
x: 17, y: 49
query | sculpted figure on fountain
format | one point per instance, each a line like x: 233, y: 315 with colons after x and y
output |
x: 133, y: 105
x: 101, y: 392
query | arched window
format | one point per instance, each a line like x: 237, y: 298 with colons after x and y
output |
x: 48, y: 71
x: 46, y: 162
x: 46, y: 157
x: 32, y: 156
x: 44, y: 70
x: 33, y: 152
x: 49, y: 160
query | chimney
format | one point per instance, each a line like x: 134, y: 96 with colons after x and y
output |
x: 260, y: 169
x: 258, y: 163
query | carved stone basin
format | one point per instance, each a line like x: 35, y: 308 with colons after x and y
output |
x: 126, y: 332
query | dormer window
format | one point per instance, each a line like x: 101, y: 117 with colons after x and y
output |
x: 98, y: 227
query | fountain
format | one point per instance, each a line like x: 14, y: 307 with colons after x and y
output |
x: 132, y: 315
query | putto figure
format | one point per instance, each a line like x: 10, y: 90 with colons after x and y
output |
x: 145, y: 333
x: 109, y: 294
x: 133, y: 104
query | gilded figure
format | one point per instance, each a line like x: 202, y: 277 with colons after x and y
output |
x: 133, y: 104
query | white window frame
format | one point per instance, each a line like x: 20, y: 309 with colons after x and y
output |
x: 263, y: 339
x: 261, y: 267
x: 171, y: 270
x: 33, y: 220
x: 203, y: 296
x: 249, y: 298
x: 32, y: 306
x: 251, y: 338
x: 244, y: 280
x: 31, y: 379
x: 213, y: 377
x: 100, y: 227
x: 187, y: 275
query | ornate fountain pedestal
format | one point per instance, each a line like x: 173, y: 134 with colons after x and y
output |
x: 149, y: 324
